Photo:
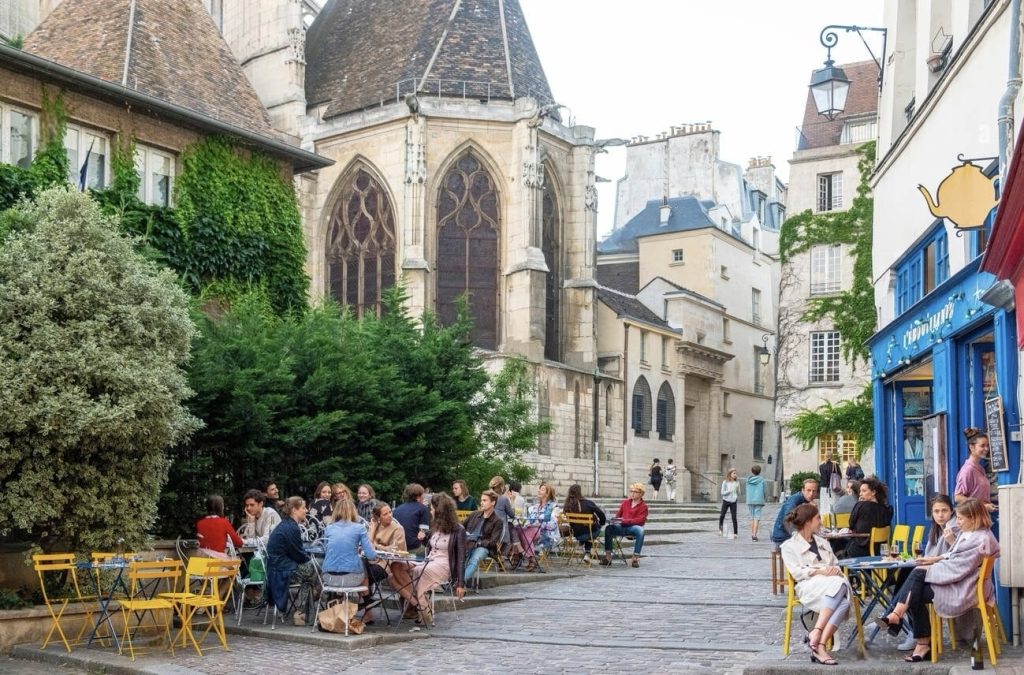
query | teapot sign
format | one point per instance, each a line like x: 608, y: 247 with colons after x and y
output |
x: 964, y: 197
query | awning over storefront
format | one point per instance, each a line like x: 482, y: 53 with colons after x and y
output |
x: 1004, y: 255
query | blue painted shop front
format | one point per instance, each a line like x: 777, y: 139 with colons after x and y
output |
x: 934, y: 368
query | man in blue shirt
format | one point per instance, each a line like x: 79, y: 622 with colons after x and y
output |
x: 414, y: 518
x: 806, y: 495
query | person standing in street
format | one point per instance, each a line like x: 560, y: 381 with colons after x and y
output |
x: 755, y: 499
x: 730, y: 493
x: 655, y: 475
x: 826, y: 470
x: 670, y: 480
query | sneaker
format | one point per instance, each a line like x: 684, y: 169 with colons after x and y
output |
x: 753, y: 538
x: 909, y: 643
x: 586, y: 559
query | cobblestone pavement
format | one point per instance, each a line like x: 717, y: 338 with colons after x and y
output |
x: 702, y: 604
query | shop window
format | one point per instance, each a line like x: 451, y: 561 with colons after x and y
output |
x: 921, y: 270
x: 825, y: 356
x: 18, y: 137
x: 87, y: 158
x: 830, y: 191
x: 759, y: 440
x: 156, y: 175
x: 825, y: 271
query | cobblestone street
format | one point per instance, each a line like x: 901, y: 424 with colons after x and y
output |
x: 703, y: 604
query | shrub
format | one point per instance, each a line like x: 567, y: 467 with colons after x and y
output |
x: 796, y: 481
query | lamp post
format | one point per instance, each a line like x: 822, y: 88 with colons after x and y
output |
x: 829, y: 85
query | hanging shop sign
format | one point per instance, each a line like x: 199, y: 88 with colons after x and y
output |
x: 964, y: 197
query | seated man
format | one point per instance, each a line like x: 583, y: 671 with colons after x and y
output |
x: 780, y: 533
x: 414, y: 518
x: 484, y: 529
x: 259, y: 521
x: 632, y: 515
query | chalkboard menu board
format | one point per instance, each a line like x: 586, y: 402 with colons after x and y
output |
x: 996, y: 434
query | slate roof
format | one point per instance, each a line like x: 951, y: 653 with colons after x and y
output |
x: 861, y: 101
x: 627, y: 306
x: 362, y: 52
x: 168, y: 49
x: 685, y: 290
x: 688, y: 213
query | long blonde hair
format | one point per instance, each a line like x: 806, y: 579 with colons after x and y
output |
x: 345, y: 511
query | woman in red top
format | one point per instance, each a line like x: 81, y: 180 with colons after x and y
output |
x: 631, y: 516
x: 214, y: 530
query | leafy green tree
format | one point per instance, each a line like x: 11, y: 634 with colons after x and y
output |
x: 93, y: 345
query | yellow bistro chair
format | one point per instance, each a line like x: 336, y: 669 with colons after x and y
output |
x: 462, y: 515
x: 842, y: 520
x: 992, y: 623
x: 792, y: 603
x: 918, y: 538
x: 901, y: 536
x: 47, y: 564
x: 827, y: 519
x: 143, y: 576
x: 217, y: 575
x: 879, y: 535
x: 584, y: 520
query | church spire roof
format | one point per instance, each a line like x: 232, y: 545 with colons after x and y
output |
x: 168, y: 49
x: 360, y: 53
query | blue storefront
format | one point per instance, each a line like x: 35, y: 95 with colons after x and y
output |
x: 937, y: 369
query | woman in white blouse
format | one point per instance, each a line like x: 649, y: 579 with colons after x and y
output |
x: 821, y: 585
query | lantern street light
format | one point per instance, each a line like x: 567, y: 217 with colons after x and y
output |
x: 764, y: 355
x: 829, y: 85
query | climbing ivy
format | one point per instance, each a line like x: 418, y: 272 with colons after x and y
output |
x: 126, y: 181
x: 50, y: 166
x: 852, y: 312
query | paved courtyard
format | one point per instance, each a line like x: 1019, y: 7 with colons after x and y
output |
x: 702, y: 604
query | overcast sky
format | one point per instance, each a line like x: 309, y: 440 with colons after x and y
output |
x: 638, y: 67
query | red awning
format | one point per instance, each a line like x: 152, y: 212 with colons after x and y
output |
x: 1005, y: 250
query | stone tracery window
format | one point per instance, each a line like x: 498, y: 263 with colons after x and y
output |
x: 468, y: 229
x: 551, y: 228
x: 361, y: 244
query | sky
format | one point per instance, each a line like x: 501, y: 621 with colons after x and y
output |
x: 639, y: 67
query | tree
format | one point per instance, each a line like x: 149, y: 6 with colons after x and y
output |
x: 93, y: 345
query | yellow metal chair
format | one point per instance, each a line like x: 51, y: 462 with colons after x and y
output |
x: 901, y: 536
x: 792, y: 602
x: 917, y: 540
x: 217, y: 575
x: 143, y: 576
x: 827, y: 519
x: 61, y: 564
x: 879, y: 536
x: 581, y: 520
x: 462, y: 515
x: 842, y: 520
x: 991, y: 622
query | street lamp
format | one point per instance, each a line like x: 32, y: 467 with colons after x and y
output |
x: 764, y: 355
x: 829, y: 85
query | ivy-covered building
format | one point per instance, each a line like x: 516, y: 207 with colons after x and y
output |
x: 819, y: 262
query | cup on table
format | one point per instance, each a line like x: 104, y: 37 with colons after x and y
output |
x: 883, y: 550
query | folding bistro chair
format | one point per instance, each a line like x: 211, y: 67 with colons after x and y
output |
x: 462, y: 515
x: 917, y: 539
x: 901, y: 537
x: 991, y: 622
x: 842, y: 520
x: 581, y: 520
x: 144, y: 577
x: 216, y: 575
x: 52, y: 566
x: 792, y: 602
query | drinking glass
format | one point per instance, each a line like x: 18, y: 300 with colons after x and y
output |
x: 883, y: 550
x: 897, y: 550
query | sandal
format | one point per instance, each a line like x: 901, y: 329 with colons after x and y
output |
x: 918, y: 658
x: 826, y: 661
x: 635, y: 562
x: 892, y: 628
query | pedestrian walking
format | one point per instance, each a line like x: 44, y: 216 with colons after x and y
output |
x: 655, y: 475
x: 755, y: 499
x: 670, y: 480
x: 730, y: 493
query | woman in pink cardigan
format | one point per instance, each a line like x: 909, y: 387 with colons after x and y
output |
x: 950, y: 583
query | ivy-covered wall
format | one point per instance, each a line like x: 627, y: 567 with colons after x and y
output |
x: 851, y: 311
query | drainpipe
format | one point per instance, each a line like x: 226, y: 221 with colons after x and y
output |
x: 596, y: 430
x: 1013, y: 84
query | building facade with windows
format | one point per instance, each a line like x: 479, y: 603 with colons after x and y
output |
x: 823, y: 178
x: 683, y: 307
x: 945, y: 354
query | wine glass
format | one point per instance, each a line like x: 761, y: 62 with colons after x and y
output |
x: 883, y: 550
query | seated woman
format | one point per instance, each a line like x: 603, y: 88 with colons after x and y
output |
x: 542, y: 520
x: 445, y: 560
x: 213, y: 530
x: 484, y: 530
x: 464, y: 501
x: 385, y: 535
x: 366, y: 499
x: 821, y: 585
x: 633, y: 515
x: 288, y: 564
x: 950, y: 582
x: 575, y: 503
x: 871, y: 511
x: 342, y: 565
x: 321, y: 507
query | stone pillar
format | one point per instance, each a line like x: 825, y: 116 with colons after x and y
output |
x: 579, y: 243
x: 714, y: 455
x: 412, y: 217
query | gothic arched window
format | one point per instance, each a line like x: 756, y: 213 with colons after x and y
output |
x: 468, y: 231
x: 641, y: 421
x: 666, y: 413
x: 361, y: 244
x: 551, y: 228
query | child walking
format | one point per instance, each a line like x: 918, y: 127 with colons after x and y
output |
x: 730, y: 493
